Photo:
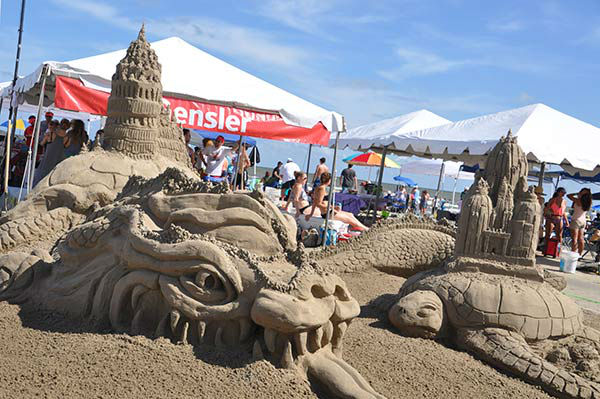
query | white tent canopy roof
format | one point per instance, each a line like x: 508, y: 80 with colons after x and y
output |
x: 363, y: 137
x: 188, y: 72
x: 545, y: 134
x: 432, y: 167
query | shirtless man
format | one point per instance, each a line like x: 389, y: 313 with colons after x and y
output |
x: 321, y: 168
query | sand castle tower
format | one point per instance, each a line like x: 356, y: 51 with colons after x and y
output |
x: 137, y: 123
x: 500, y: 216
x: 506, y: 161
x: 474, y: 219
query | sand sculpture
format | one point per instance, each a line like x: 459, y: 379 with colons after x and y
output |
x: 492, y: 300
x: 162, y: 253
x: 140, y: 139
x: 399, y: 246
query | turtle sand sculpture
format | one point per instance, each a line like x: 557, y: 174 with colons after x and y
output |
x: 165, y: 254
x: 492, y: 300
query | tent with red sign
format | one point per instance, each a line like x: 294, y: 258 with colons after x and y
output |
x: 202, y: 91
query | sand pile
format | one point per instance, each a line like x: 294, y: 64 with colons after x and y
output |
x: 46, y: 355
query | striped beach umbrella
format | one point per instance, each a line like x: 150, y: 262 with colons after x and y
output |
x: 370, y: 159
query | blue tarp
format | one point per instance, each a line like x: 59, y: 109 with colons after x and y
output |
x: 229, y: 138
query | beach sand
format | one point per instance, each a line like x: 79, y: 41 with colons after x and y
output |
x: 45, y: 355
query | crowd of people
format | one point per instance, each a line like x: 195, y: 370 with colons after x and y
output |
x: 308, y: 201
x: 57, y: 141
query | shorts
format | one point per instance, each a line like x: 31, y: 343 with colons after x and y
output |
x: 577, y: 224
x: 301, y: 210
x: 317, y: 183
x: 288, y: 184
x: 554, y: 219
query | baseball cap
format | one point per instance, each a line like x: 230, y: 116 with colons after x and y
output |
x: 49, y: 113
x: 290, y: 160
x: 221, y: 139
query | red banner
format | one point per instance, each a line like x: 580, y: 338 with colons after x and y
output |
x: 72, y: 95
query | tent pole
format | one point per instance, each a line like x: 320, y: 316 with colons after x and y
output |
x: 439, y: 185
x: 541, y: 176
x: 36, y: 129
x: 12, y: 113
x: 379, y: 186
x: 254, y: 163
x: 331, y: 188
x: 237, y: 165
x: 308, y: 167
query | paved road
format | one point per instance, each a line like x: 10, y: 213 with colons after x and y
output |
x: 583, y: 287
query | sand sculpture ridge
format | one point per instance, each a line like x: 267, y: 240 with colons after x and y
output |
x: 400, y: 246
x: 491, y: 299
x: 139, y: 244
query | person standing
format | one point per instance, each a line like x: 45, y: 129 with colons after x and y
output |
x: 75, y: 139
x: 348, y: 179
x: 423, y: 202
x: 53, y: 140
x: 187, y: 137
x: 287, y: 176
x: 244, y: 164
x: 214, y: 156
x: 321, y: 168
x: 29, y: 130
x: 582, y: 202
x: 415, y: 199
x: 46, y: 123
x: 554, y: 212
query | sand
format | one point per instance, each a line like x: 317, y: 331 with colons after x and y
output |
x: 45, y: 355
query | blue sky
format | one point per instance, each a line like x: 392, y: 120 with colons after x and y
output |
x: 366, y: 59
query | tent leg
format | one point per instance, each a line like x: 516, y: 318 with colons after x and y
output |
x: 331, y: 188
x: 439, y: 186
x: 379, y: 186
x: 36, y: 129
x: 541, y: 176
x: 308, y: 166
x: 454, y: 189
x: 12, y: 114
x: 237, y: 166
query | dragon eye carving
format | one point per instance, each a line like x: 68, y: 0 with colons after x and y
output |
x: 208, y: 285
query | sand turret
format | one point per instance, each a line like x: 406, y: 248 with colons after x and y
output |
x: 474, y: 220
x: 137, y: 124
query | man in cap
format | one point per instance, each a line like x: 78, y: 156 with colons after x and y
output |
x: 214, y: 157
x: 29, y: 130
x: 287, y: 176
x: 45, y: 123
x: 187, y: 137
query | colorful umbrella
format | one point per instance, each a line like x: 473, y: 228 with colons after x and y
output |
x: 370, y: 159
x: 20, y: 124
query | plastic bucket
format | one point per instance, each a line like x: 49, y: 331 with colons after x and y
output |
x: 568, y: 261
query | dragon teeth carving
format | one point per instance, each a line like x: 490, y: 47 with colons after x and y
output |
x: 245, y: 329
x: 300, y: 341
x: 257, y: 353
x: 270, y: 339
x: 201, y: 330
x: 327, y: 333
x: 287, y: 359
x: 315, y: 338
x: 184, y: 332
x: 219, y: 338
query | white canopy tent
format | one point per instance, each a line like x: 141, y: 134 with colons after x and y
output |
x: 363, y: 137
x: 431, y: 167
x: 545, y: 134
x: 190, y: 73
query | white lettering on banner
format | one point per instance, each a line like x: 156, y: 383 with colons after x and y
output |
x: 232, y: 122
x: 244, y: 122
x: 221, y: 118
x: 180, y: 114
x: 196, y: 113
x: 211, y: 118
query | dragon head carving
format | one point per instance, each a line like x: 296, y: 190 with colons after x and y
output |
x: 194, y: 262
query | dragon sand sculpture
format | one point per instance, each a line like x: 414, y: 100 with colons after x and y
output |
x: 491, y: 298
x: 164, y: 254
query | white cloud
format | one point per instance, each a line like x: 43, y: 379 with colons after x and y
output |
x: 416, y: 62
x: 212, y: 34
x: 310, y: 16
x: 506, y: 26
x: 525, y: 98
